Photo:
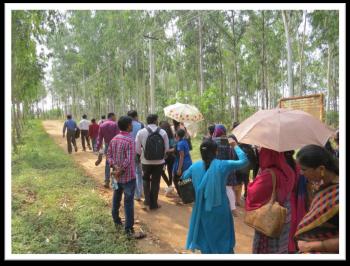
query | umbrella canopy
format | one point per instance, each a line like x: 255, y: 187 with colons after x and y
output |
x: 282, y: 130
x: 183, y: 112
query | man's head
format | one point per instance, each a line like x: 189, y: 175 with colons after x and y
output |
x: 69, y: 116
x: 111, y: 116
x: 152, y: 119
x: 84, y: 116
x: 125, y: 123
x: 103, y: 117
x: 93, y: 120
x: 133, y: 114
x: 211, y: 130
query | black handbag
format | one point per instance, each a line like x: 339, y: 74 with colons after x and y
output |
x: 77, y: 133
x: 186, y: 191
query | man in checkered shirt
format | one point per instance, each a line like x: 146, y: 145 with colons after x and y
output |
x: 121, y: 157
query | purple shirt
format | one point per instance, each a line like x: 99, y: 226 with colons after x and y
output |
x: 108, y: 130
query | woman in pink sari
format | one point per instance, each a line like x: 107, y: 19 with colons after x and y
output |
x: 259, y: 193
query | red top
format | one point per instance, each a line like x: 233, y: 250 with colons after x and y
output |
x: 93, y: 130
x: 260, y: 190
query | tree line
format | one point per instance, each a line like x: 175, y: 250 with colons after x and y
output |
x: 229, y: 63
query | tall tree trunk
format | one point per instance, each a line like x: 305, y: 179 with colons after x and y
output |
x: 301, y: 86
x: 222, y: 102
x: 263, y: 65
x: 329, y: 79
x: 335, y: 85
x: 151, y: 77
x: 14, y: 128
x: 122, y: 83
x: 235, y: 70
x: 201, y: 74
x: 289, y: 53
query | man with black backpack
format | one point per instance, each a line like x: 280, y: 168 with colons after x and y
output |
x: 151, y: 144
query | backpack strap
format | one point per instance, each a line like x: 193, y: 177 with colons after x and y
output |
x: 149, y: 130
x: 158, y: 129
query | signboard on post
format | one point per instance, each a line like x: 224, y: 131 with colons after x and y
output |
x: 312, y: 104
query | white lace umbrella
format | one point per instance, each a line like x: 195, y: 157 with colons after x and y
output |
x: 183, y: 113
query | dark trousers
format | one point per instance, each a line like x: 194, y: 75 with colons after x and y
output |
x: 176, y: 183
x: 129, y: 190
x: 151, y: 181
x: 70, y: 140
x: 85, y: 136
x: 169, y: 162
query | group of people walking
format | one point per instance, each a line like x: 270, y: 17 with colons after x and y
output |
x: 140, y: 155
x: 309, y: 227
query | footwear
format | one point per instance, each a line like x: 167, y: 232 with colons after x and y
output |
x: 118, y: 226
x: 156, y: 208
x: 235, y: 213
x: 106, y: 185
x: 168, y: 190
x: 99, y: 159
x: 135, y: 235
x: 76, y: 149
x: 137, y: 199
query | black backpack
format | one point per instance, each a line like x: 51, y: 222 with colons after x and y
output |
x: 155, y: 148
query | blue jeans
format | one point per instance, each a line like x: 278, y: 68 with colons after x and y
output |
x: 139, y: 181
x: 107, y: 167
x: 93, y: 142
x: 129, y: 190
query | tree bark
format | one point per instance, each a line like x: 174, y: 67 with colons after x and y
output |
x: 329, y: 81
x: 235, y: 70
x: 151, y: 77
x: 301, y: 86
x: 263, y: 65
x: 201, y: 74
x: 289, y: 53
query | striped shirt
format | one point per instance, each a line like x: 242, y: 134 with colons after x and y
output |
x: 121, y: 153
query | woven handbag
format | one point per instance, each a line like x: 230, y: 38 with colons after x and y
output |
x: 186, y: 191
x: 270, y: 218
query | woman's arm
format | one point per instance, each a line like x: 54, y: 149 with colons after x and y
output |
x: 171, y: 150
x: 181, y: 161
x: 187, y: 174
x: 237, y: 164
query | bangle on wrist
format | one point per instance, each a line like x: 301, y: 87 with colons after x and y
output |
x: 323, y: 246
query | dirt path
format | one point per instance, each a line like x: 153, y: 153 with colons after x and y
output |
x: 167, y: 227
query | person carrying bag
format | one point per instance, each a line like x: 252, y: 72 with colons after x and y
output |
x: 270, y: 218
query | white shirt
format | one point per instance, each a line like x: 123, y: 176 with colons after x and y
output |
x: 141, y: 138
x: 84, y: 124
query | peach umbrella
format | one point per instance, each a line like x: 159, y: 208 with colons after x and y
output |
x: 282, y: 129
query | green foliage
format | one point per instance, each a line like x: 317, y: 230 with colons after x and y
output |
x: 101, y: 59
x: 55, y: 207
x: 332, y: 118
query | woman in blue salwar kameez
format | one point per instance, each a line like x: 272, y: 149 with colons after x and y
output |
x: 211, y: 227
